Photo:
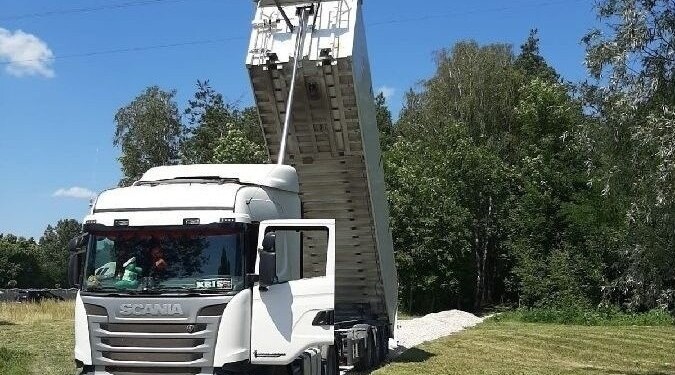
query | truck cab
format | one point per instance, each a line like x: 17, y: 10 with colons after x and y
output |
x: 198, y: 270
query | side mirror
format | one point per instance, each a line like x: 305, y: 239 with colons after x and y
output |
x: 74, y: 270
x: 268, y: 260
x: 75, y: 260
x: 78, y: 242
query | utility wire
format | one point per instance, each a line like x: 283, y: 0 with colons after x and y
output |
x: 58, y: 12
x: 470, y: 12
x: 213, y: 41
x: 130, y: 49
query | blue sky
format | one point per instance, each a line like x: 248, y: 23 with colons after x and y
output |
x: 56, y: 120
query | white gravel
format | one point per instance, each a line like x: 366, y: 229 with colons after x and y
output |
x: 413, y: 332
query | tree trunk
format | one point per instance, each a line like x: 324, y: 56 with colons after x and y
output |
x: 479, y: 269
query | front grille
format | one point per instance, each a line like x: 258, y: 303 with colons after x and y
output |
x: 129, y: 348
x: 122, y: 342
x: 154, y: 328
x: 149, y: 371
x: 153, y: 357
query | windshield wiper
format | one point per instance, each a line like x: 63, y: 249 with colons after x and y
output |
x: 127, y: 292
x: 113, y: 291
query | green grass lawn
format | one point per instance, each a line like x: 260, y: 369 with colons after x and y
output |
x: 36, y: 339
x: 529, y: 349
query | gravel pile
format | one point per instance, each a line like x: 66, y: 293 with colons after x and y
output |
x: 413, y: 332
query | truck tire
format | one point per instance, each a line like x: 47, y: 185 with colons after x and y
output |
x: 383, y: 340
x: 369, y: 358
x: 331, y: 365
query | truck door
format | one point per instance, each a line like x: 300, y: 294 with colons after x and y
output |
x: 289, y: 317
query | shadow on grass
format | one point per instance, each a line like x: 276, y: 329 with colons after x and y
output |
x: 6, y: 323
x: 13, y: 362
x: 414, y: 355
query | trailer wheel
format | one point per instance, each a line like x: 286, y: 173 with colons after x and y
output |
x: 331, y: 366
x: 369, y: 358
x: 382, y: 348
x: 383, y: 339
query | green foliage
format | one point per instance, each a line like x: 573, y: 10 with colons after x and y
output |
x: 429, y: 226
x: 486, y: 162
x: 53, y: 248
x: 18, y: 260
x: 630, y: 148
x: 37, y: 265
x: 385, y: 123
x: 608, y: 316
x: 217, y: 132
x: 151, y: 132
x: 148, y: 130
x: 531, y: 63
x: 553, y: 265
x: 446, y: 171
x: 235, y: 148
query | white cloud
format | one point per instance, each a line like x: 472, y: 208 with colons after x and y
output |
x: 387, y: 91
x: 74, y: 192
x: 25, y: 54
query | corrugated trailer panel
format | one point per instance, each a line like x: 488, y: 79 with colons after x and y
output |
x: 333, y: 143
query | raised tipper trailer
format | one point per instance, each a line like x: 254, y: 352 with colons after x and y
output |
x: 326, y: 125
x: 234, y: 269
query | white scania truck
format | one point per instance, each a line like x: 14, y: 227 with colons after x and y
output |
x: 235, y: 269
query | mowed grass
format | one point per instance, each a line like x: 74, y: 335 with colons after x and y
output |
x: 36, y: 339
x: 509, y: 347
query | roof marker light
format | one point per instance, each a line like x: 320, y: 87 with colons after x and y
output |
x: 122, y: 222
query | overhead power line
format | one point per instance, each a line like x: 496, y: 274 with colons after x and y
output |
x: 474, y: 11
x: 132, y: 49
x: 220, y: 40
x: 58, y: 12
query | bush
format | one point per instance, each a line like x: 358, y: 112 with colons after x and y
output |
x: 609, y: 316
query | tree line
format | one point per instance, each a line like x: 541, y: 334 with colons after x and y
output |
x: 27, y: 263
x: 508, y: 185
x: 152, y: 131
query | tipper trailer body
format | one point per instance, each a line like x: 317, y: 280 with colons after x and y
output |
x: 332, y: 141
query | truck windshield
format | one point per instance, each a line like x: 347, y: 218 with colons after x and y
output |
x: 202, y: 260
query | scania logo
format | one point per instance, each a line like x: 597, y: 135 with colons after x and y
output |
x: 138, y: 309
